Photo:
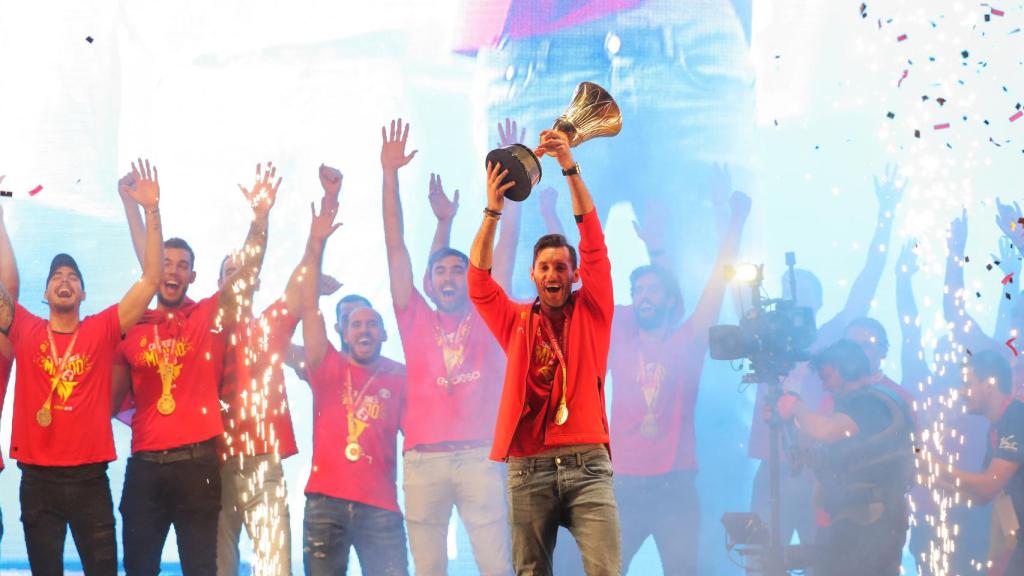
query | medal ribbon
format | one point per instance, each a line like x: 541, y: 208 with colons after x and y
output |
x: 354, y: 428
x: 450, y: 348
x: 557, y: 348
x: 59, y: 364
x: 164, y: 366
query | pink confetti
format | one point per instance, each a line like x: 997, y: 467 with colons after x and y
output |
x: 901, y: 37
x: 1016, y: 116
x: 942, y: 126
x: 35, y: 190
x: 997, y: 12
x: 902, y: 78
x: 1008, y: 279
x: 1009, y: 343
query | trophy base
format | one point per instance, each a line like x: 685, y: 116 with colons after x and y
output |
x: 523, y: 168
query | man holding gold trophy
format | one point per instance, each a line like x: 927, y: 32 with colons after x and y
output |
x: 552, y: 429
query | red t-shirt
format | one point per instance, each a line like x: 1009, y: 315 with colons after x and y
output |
x: 190, y: 341
x: 5, y: 374
x: 453, y: 394
x: 80, y: 430
x: 654, y: 397
x: 258, y: 420
x: 543, y: 391
x: 371, y: 479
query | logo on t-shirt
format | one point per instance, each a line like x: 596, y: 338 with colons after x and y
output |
x: 1008, y: 443
x: 77, y: 365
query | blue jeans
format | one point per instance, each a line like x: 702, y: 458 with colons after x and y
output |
x: 254, y: 494
x: 331, y: 526
x: 434, y: 483
x: 574, y: 491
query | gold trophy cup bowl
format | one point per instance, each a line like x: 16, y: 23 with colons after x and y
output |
x: 592, y: 113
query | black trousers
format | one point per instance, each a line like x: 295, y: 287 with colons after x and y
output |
x: 849, y: 549
x: 179, y: 488
x: 53, y: 498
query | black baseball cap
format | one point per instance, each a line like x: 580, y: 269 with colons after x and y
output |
x: 65, y: 260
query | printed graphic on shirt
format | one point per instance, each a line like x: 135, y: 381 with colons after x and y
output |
x: 545, y: 361
x: 164, y: 355
x: 77, y: 366
x: 1008, y: 443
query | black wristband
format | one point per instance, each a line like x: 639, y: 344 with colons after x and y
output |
x: 573, y: 171
x: 496, y: 214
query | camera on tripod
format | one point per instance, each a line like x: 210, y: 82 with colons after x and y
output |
x: 774, y: 334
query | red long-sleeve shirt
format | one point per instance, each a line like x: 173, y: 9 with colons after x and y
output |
x: 515, y: 326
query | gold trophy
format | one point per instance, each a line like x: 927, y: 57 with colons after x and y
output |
x: 592, y: 113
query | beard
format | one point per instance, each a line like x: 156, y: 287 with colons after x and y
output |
x: 170, y: 303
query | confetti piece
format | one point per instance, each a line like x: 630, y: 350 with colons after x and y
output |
x: 988, y: 267
x: 977, y: 294
x: 997, y: 12
x: 1016, y: 116
x: 1008, y: 296
x: 942, y: 126
x: 88, y: 39
x: 941, y: 101
x: 964, y: 54
x: 902, y: 78
x: 1008, y: 279
x: 1009, y: 343
x: 901, y: 37
x: 6, y: 193
x: 863, y: 10
x: 917, y: 133
x: 35, y: 190
x: 890, y: 115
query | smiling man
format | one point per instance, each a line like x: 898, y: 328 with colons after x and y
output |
x: 173, y: 362
x: 61, y: 432
x: 454, y: 374
x: 351, y: 495
x: 551, y: 428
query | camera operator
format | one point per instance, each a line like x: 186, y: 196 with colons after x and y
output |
x: 864, y: 464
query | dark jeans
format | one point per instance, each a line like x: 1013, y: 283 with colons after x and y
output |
x: 53, y: 498
x: 667, y: 508
x: 181, y: 490
x: 574, y: 491
x: 849, y: 549
x: 331, y: 526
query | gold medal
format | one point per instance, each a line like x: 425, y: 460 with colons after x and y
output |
x: 562, y: 414
x: 44, y: 417
x: 353, y: 451
x: 649, y: 426
x: 165, y: 405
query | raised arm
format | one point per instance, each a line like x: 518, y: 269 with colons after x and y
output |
x: 236, y: 294
x: 444, y: 210
x: 314, y: 330
x: 651, y: 233
x: 136, y: 227
x: 146, y: 193
x: 1008, y: 218
x: 8, y: 286
x: 720, y: 191
x: 862, y: 292
x: 966, y: 329
x: 547, y: 204
x: 481, y: 253
x: 708, y: 308
x: 393, y: 157
x: 508, y: 238
x: 915, y: 368
x: 825, y: 428
x: 1009, y: 263
x: 555, y: 143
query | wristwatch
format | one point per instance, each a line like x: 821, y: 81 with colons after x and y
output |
x: 575, y: 170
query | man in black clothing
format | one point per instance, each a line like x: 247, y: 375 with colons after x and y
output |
x: 988, y: 391
x: 864, y: 465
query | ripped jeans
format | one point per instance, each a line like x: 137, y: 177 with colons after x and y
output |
x: 331, y: 526
x: 55, y: 497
